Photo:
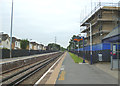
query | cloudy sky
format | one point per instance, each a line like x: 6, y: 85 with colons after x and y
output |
x: 42, y: 20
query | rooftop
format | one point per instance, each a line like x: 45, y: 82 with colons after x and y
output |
x: 4, y: 36
x: 114, y: 32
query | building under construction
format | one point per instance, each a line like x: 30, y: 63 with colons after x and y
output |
x: 103, y: 20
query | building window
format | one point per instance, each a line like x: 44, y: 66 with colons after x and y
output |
x: 100, y: 14
x: 100, y: 27
x: 7, y: 42
x: 15, y: 43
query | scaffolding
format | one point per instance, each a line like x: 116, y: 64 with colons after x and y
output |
x: 96, y: 8
x: 99, y: 17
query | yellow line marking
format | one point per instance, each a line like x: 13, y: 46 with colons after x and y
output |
x: 62, y: 75
x: 85, y: 60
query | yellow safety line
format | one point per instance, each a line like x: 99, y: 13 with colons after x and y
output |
x: 62, y: 75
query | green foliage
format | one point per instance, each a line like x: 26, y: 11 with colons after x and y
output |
x: 24, y: 43
x: 55, y: 47
x: 76, y: 58
x: 4, y: 48
x: 74, y: 45
x: 62, y: 49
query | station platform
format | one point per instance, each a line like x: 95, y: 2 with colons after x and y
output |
x: 8, y: 60
x: 73, y: 73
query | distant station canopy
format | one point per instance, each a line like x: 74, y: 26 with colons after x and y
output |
x: 113, y: 36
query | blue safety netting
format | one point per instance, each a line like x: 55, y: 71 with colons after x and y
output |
x: 102, y: 46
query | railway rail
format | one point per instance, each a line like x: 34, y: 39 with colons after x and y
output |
x: 13, y: 78
x: 10, y: 65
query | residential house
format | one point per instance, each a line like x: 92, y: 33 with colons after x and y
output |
x: 33, y: 45
x: 36, y: 46
x: 45, y: 47
x: 15, y: 43
x: 0, y: 40
x: 40, y: 46
x: 4, y: 41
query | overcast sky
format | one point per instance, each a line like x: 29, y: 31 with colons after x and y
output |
x: 42, y: 20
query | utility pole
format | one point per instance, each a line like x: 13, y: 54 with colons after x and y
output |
x: 99, y: 3
x: 91, y: 41
x: 11, y: 30
x: 74, y: 46
x: 83, y: 50
x: 91, y: 6
x: 78, y: 47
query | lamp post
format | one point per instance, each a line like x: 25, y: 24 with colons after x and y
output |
x: 83, y: 50
x: 99, y: 3
x: 78, y: 48
x: 74, y: 46
x: 90, y: 41
x: 11, y: 30
x: 82, y: 38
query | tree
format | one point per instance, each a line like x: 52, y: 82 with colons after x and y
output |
x: 24, y: 43
x: 62, y: 49
x: 74, y: 45
x: 55, y: 47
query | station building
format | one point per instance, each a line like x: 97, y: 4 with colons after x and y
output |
x: 103, y: 20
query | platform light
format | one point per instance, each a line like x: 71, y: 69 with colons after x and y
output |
x: 90, y: 40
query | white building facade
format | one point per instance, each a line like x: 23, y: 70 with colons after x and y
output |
x: 17, y: 44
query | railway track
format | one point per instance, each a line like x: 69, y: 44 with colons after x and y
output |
x: 18, y: 77
x: 24, y: 62
x: 14, y: 71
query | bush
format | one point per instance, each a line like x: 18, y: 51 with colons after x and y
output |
x: 24, y: 43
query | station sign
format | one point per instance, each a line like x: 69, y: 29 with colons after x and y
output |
x: 77, y: 39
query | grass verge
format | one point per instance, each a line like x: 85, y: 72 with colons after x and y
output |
x: 76, y: 58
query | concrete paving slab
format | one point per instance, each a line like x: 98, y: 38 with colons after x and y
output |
x: 106, y: 67
x: 74, y: 73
